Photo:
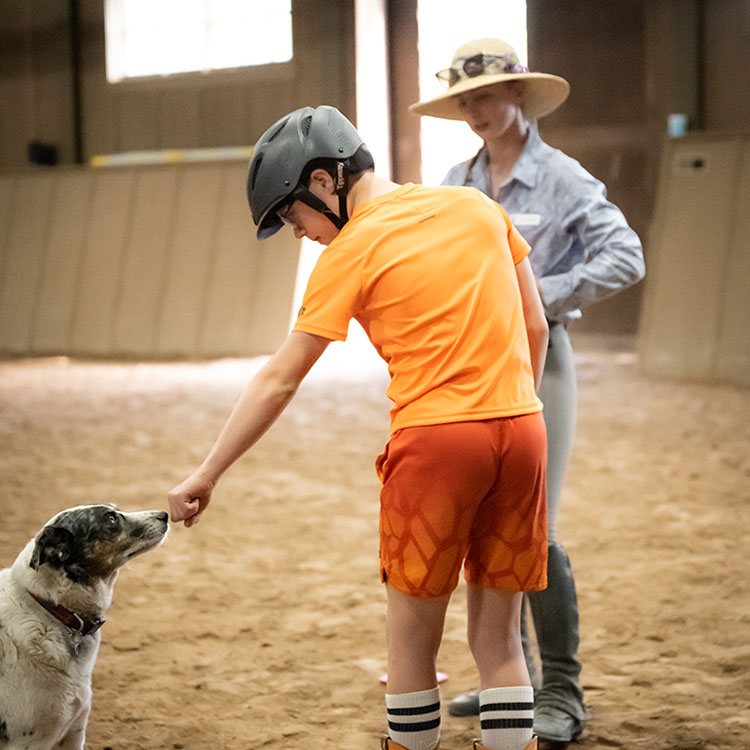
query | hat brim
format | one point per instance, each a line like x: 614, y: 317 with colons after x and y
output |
x: 543, y: 93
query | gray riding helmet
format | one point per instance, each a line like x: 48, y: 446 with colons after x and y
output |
x: 283, y: 153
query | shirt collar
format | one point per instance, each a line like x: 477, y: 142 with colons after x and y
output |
x: 525, y: 170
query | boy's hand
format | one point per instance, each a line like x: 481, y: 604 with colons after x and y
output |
x: 189, y: 499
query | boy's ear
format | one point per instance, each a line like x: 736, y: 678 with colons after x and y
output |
x: 322, y: 179
x: 53, y: 546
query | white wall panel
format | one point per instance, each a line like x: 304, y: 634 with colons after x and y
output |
x: 100, y: 277
x: 7, y: 190
x: 190, y: 259
x: 148, y: 261
x: 145, y: 268
x: 277, y: 267
x: 733, y: 355
x: 23, y: 259
x: 697, y: 292
x: 70, y: 205
x: 234, y: 275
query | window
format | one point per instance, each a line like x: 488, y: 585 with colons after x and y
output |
x: 163, y: 37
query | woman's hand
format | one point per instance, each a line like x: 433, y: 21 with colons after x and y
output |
x: 189, y: 499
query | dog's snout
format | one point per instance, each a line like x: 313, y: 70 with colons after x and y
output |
x: 163, y: 516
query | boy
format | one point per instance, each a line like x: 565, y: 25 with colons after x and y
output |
x: 440, y: 282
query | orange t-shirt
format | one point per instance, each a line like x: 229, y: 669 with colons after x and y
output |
x: 429, y: 273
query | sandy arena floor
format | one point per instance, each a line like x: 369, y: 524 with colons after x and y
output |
x: 262, y: 626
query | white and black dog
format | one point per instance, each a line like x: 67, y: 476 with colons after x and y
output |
x: 52, y: 604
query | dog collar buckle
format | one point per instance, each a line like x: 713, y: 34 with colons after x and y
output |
x: 78, y: 626
x: 76, y: 622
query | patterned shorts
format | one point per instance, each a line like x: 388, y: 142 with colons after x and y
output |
x: 465, y: 493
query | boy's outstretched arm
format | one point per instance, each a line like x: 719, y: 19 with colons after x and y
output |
x: 263, y: 400
x: 537, y: 328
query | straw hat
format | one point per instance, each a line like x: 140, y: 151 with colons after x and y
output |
x: 483, y: 62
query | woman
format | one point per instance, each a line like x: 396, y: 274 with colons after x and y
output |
x: 582, y: 251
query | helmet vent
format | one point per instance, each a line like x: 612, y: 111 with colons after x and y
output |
x: 258, y: 162
x: 276, y: 132
x: 305, y: 125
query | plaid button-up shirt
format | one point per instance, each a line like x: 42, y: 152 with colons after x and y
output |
x: 583, y: 249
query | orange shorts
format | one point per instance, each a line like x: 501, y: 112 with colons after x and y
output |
x: 465, y: 493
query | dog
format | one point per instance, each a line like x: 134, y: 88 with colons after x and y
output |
x: 52, y: 604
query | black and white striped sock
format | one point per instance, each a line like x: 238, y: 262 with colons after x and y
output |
x: 507, y: 717
x: 414, y: 719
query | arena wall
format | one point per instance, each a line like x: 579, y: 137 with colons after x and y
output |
x: 153, y: 261
x: 697, y: 303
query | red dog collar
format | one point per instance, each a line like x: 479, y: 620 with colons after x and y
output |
x: 80, y: 625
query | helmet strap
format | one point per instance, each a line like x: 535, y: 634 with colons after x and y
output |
x: 303, y: 194
x: 341, y: 191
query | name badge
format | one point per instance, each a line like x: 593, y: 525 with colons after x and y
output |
x: 526, y: 220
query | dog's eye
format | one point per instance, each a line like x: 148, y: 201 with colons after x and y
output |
x: 112, y: 519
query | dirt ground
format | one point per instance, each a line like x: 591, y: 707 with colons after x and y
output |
x: 262, y: 626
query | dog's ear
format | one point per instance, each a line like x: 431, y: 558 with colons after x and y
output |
x: 53, y: 546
